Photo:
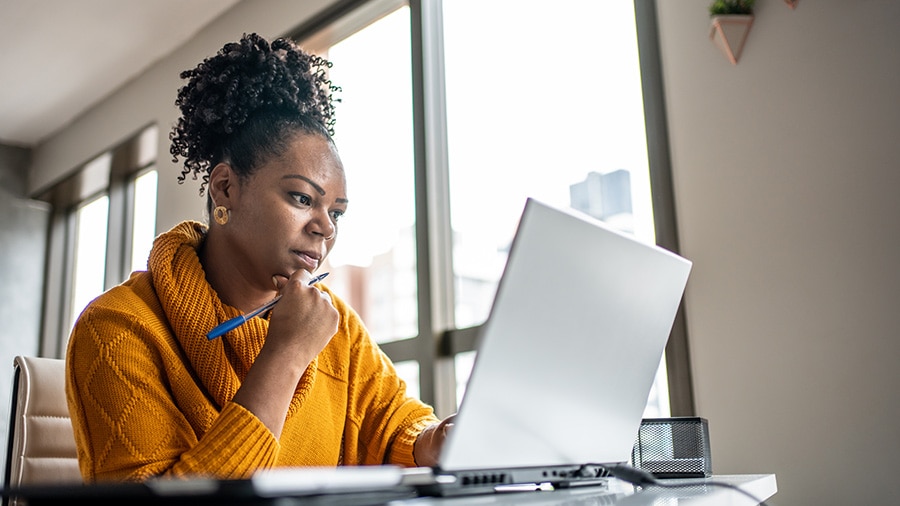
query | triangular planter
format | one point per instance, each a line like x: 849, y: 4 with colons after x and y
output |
x: 729, y: 32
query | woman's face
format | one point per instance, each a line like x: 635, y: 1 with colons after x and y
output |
x: 284, y: 217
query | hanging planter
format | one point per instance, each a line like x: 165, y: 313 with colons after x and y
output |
x: 729, y: 32
x: 730, y: 22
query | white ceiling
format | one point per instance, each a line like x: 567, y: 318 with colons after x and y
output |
x: 59, y: 57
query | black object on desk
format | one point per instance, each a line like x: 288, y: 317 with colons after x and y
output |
x: 673, y: 447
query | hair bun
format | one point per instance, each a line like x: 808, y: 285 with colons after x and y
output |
x: 243, y: 79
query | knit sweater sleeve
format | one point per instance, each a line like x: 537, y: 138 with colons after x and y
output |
x: 384, y: 421
x: 136, y: 410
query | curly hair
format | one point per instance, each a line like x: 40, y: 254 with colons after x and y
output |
x: 243, y: 104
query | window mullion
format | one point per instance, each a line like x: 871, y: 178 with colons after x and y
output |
x: 57, y: 284
x: 127, y: 240
x: 67, y: 296
x: 116, y: 232
x: 433, y: 234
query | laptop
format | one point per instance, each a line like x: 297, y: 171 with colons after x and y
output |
x: 566, y: 358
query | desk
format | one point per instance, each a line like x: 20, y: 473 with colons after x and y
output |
x: 617, y: 493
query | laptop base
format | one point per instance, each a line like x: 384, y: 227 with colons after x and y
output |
x: 489, y: 481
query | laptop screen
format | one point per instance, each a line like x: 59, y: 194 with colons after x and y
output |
x: 571, y: 347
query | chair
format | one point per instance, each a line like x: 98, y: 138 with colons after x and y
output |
x: 41, y: 445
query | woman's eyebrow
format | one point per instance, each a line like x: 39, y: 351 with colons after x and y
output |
x: 308, y: 180
x: 318, y: 188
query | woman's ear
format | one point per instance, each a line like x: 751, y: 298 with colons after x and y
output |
x: 222, y: 185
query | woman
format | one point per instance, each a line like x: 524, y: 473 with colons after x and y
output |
x: 302, y: 384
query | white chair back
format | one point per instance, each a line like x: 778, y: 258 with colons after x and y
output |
x: 41, y: 448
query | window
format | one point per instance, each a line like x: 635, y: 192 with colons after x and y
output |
x: 542, y: 103
x: 508, y: 100
x: 91, y: 221
x: 102, y: 226
x: 373, y: 264
x: 531, y: 119
x: 143, y: 225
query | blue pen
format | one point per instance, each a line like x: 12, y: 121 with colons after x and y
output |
x: 229, y: 325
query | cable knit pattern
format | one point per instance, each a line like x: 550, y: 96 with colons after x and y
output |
x: 149, y: 395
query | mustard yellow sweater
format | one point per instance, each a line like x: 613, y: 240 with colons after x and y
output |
x: 149, y: 395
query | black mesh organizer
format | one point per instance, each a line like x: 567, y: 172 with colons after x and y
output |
x: 673, y: 447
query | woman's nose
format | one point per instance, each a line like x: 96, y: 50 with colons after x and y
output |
x: 322, y: 225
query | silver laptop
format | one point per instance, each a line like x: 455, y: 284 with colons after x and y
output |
x: 567, y: 357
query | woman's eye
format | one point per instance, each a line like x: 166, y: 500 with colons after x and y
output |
x: 301, y: 198
x: 336, y: 215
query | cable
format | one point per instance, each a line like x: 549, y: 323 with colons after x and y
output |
x: 643, y: 478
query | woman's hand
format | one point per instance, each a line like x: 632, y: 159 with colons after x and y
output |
x: 304, y: 320
x: 427, y: 448
x: 302, y: 324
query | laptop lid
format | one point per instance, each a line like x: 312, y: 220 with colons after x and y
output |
x: 570, y: 350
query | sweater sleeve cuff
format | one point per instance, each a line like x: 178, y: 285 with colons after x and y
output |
x: 404, y: 443
x: 236, y: 445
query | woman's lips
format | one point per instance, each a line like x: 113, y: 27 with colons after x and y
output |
x: 310, y: 260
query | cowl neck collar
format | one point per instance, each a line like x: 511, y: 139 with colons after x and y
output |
x: 193, y: 308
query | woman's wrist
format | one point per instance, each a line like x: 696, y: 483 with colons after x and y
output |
x: 427, y: 448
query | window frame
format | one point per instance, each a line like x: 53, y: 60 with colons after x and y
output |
x: 126, y: 161
x: 662, y: 195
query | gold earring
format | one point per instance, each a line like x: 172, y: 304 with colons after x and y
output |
x: 220, y: 214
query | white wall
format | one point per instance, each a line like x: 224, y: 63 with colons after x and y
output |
x: 23, y: 240
x: 786, y: 174
x: 151, y: 98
